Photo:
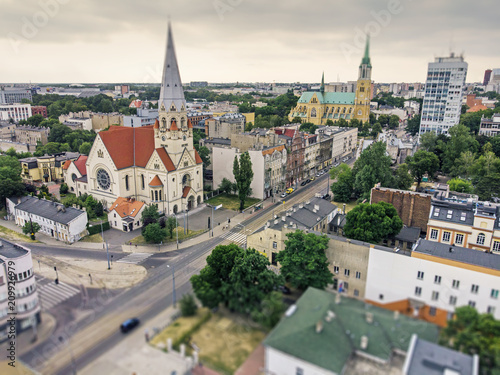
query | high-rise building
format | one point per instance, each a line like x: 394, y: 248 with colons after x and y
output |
x: 487, y: 76
x: 443, y: 94
x: 11, y: 95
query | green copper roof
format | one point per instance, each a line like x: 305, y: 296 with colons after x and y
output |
x: 366, y: 58
x: 331, y: 348
x: 329, y: 97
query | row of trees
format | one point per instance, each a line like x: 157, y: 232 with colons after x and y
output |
x: 155, y: 229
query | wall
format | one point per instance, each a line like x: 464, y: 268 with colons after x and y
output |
x: 279, y: 363
x: 19, y: 147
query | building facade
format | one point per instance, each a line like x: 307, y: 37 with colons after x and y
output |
x: 225, y: 125
x: 125, y: 214
x: 490, y: 126
x: 46, y: 168
x: 12, y: 95
x: 32, y: 135
x: 39, y: 110
x: 444, y: 89
x: 73, y: 169
x: 15, y: 112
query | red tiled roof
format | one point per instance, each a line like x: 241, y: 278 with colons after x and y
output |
x: 156, y: 125
x: 190, y: 125
x: 119, y: 142
x: 80, y: 164
x: 165, y: 158
x: 155, y: 182
x: 66, y: 165
x: 127, y: 207
x: 477, y: 108
x: 271, y: 150
x: 290, y: 132
x: 197, y: 157
x: 135, y: 103
x: 173, y: 126
x: 185, y: 191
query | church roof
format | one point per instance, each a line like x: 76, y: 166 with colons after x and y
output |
x: 185, y: 191
x: 155, y: 182
x: 197, y: 157
x: 156, y: 125
x: 366, y: 58
x: 329, y: 97
x: 81, y: 164
x: 190, y: 125
x: 66, y: 165
x: 171, y: 86
x: 119, y: 141
x: 165, y: 158
x: 173, y: 126
x: 127, y: 207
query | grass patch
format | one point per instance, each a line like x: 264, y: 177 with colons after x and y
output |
x: 348, y: 206
x: 15, y: 236
x: 231, y: 202
x: 139, y: 240
x: 95, y: 238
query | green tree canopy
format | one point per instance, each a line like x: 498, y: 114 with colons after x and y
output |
x: 372, y: 222
x: 421, y: 163
x: 460, y: 140
x: 343, y: 188
x: 403, y: 179
x: 10, y: 176
x: 303, y: 262
x: 31, y: 228
x: 170, y: 225
x: 413, y: 125
x: 243, y: 174
x: 153, y: 233
x: 459, y: 185
x: 150, y: 215
x: 85, y: 148
x: 308, y: 127
x: 226, y: 186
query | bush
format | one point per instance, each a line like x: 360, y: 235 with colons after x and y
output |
x: 153, y: 233
x: 97, y: 228
x: 64, y: 188
x: 188, y: 305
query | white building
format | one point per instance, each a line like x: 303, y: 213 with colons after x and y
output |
x: 443, y: 94
x: 74, y: 170
x: 17, y: 259
x: 490, y: 126
x: 16, y: 112
x: 125, y: 214
x: 11, y: 95
x: 144, y: 117
x: 66, y: 224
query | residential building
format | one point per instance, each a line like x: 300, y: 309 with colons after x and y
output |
x: 155, y: 164
x: 7, y: 131
x: 412, y: 207
x: 432, y: 280
x: 122, y: 89
x: 399, y: 148
x: 11, y: 95
x: 15, y: 112
x: 350, y: 86
x: 224, y: 126
x: 67, y: 224
x: 98, y: 121
x: 255, y: 138
x: 73, y: 169
x: 125, y: 214
x: 198, y: 84
x: 344, y: 143
x: 320, y: 106
x: 101, y: 121
x: 145, y: 116
x: 442, y: 103
x: 77, y: 123
x: 325, y: 152
x: 312, y: 155
x: 32, y: 135
x: 295, y: 143
x: 16, y: 276
x: 325, y: 334
x: 39, y: 110
x: 46, y: 168
x: 490, y: 126
x: 487, y: 76
x: 198, y: 119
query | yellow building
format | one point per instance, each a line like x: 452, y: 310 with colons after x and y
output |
x: 318, y: 107
x: 45, y: 168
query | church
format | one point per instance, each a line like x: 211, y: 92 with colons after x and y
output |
x: 318, y: 107
x: 155, y: 164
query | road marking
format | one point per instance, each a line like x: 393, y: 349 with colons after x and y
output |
x: 236, y: 237
x: 53, y: 294
x: 134, y: 258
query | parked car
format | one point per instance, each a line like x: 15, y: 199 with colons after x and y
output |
x: 303, y: 183
x: 307, y: 181
x: 313, y: 178
x: 318, y: 174
x: 129, y: 324
x: 289, y: 190
x: 336, y: 165
x: 326, y: 196
x: 283, y: 195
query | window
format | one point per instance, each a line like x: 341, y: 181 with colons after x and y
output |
x: 459, y: 239
x: 347, y: 272
x: 453, y: 300
x: 299, y: 371
x: 346, y: 285
x: 436, y: 212
x: 126, y: 182
x: 449, y: 214
x: 474, y: 289
x: 455, y: 284
x: 496, y: 245
x: 142, y: 181
x: 437, y: 279
x: 446, y: 236
x: 381, y: 296
x: 356, y: 293
x: 472, y: 303
x: 494, y: 293
x: 491, y: 310
x: 435, y: 296
x: 434, y: 234
x: 480, y: 238
x: 420, y: 275
x: 275, y: 245
x: 358, y: 275
x: 418, y: 291
x: 335, y: 269
x: 432, y: 311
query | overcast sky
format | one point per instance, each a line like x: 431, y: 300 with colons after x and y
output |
x: 80, y: 41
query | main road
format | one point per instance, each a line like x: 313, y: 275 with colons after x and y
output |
x: 80, y: 342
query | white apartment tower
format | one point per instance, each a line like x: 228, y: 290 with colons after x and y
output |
x: 443, y: 94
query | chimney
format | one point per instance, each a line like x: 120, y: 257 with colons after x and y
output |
x: 364, y: 342
x: 396, y: 315
x: 319, y: 326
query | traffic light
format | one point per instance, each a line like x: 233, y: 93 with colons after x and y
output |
x: 57, y: 281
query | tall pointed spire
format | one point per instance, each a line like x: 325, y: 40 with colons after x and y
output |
x: 366, y: 58
x: 322, y: 87
x: 171, y: 86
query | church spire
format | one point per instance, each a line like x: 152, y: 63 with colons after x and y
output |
x: 366, y: 58
x: 322, y: 87
x: 171, y: 86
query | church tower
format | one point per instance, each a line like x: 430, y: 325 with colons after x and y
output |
x: 363, y: 86
x: 173, y: 131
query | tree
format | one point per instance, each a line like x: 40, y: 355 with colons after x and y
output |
x: 63, y: 189
x: 153, y: 233
x: 10, y: 176
x: 150, y: 215
x: 372, y: 222
x: 403, y: 179
x: 393, y: 122
x: 35, y: 120
x: 421, y: 163
x: 329, y: 122
x: 250, y: 281
x: 296, y: 120
x: 413, y: 125
x: 170, y: 225
x: 464, y: 165
x: 473, y: 333
x: 188, y: 305
x: 460, y: 140
x: 303, y: 262
x: 243, y: 174
x: 384, y: 120
x: 31, y: 229
x: 486, y: 176
x: 204, y: 153
x: 226, y: 186
x: 98, y: 209
x: 249, y: 126
x: 460, y: 186
x: 342, y: 189
x: 376, y: 130
x: 270, y: 310
x: 342, y: 123
x: 308, y: 127
x: 85, y: 148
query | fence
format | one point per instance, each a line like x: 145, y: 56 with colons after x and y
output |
x: 96, y: 228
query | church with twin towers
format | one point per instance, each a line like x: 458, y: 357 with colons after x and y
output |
x: 154, y: 164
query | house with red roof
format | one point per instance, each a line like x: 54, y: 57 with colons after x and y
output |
x: 155, y: 164
x: 74, y: 170
x: 125, y: 214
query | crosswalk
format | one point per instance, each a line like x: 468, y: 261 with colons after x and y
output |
x: 134, y: 258
x: 52, y: 294
x: 236, y: 237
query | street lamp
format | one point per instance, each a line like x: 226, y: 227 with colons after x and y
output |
x: 57, y: 275
x: 173, y: 283
x: 73, y: 364
x: 107, y: 250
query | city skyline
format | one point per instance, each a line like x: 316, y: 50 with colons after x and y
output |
x: 235, y: 40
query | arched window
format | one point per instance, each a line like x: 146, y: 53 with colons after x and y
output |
x: 152, y: 196
x: 186, y: 180
x: 163, y: 122
x: 313, y: 112
x: 480, y: 238
x: 142, y: 181
x: 156, y: 195
x: 126, y: 182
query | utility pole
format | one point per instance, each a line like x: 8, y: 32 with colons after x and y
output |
x: 107, y: 254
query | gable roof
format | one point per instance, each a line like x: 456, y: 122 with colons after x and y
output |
x: 328, y: 97
x: 127, y: 207
x: 197, y: 157
x: 66, y: 165
x: 165, y: 158
x: 49, y: 210
x: 155, y: 182
x: 81, y: 164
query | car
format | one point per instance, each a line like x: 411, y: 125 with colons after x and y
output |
x: 326, y: 196
x: 284, y: 289
x: 289, y: 190
x: 129, y: 324
x: 307, y: 181
x: 318, y: 174
x: 283, y: 195
x: 303, y: 183
x: 313, y: 178
x: 336, y: 165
